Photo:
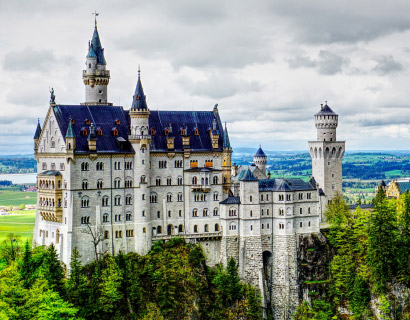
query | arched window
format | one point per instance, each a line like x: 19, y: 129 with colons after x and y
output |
x: 153, y: 198
x: 194, y: 180
x: 128, y: 216
x: 58, y: 235
x: 180, y: 228
x: 216, y: 196
x: 158, y: 181
x: 169, y: 181
x: 195, y: 228
x: 99, y: 184
x: 215, y: 180
x: 281, y: 212
x: 169, y: 197
x: 104, y: 202
x: 117, y: 183
x: 143, y: 179
x: 85, y: 202
x: 99, y: 132
x: 117, y: 201
x: 105, y: 217
x: 216, y: 227
x: 232, y: 226
x: 195, y: 212
x: 159, y: 229
x: 205, y: 212
x: 106, y: 234
x: 216, y: 212
x: 128, y: 199
x: 206, y: 228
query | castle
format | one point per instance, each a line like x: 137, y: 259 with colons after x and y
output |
x: 116, y: 179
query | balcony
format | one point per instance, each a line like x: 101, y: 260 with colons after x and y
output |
x: 192, y: 237
x: 201, y: 188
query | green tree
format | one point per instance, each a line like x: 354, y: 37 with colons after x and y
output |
x: 110, y: 286
x: 153, y: 313
x: 10, y: 248
x: 305, y: 312
x: 26, y: 268
x: 53, y: 270
x: 404, y: 241
x: 382, y: 257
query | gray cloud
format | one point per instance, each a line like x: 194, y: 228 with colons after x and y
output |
x: 386, y: 65
x: 326, y: 63
x: 29, y: 60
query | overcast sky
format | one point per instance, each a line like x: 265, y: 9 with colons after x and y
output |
x: 268, y: 64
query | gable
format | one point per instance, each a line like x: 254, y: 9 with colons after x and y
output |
x: 51, y: 140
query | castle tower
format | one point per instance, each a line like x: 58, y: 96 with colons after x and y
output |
x: 260, y: 159
x: 327, y: 153
x: 37, y: 137
x: 140, y: 139
x: 226, y: 162
x: 95, y: 76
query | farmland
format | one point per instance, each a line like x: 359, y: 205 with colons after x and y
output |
x: 20, y: 223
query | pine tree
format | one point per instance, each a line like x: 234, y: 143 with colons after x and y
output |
x: 404, y: 241
x: 26, y: 269
x: 53, y: 271
x: 76, y: 284
x: 110, y: 286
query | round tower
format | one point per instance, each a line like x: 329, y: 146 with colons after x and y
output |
x: 140, y: 139
x: 95, y: 75
x: 260, y: 159
x: 326, y: 123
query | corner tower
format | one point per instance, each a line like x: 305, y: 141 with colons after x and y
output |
x: 226, y: 162
x: 95, y: 75
x: 327, y: 153
x: 140, y: 139
x: 260, y: 159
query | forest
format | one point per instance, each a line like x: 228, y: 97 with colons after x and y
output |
x: 172, y: 281
x: 369, y: 272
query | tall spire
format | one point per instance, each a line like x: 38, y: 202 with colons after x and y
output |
x: 70, y: 130
x: 38, y: 130
x: 95, y: 48
x: 139, y: 100
x: 226, y: 143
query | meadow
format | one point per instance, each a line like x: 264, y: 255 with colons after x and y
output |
x: 20, y: 223
x: 17, y: 198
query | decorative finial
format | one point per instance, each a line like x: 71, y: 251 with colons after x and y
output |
x: 38, y: 120
x: 95, y: 13
x: 326, y: 103
x: 216, y: 106
x: 139, y: 71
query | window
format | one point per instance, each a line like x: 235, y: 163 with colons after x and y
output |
x: 309, y: 224
x: 281, y: 197
x: 205, y: 212
x: 267, y: 226
x: 105, y: 217
x: 195, y: 212
x: 179, y: 181
x: 262, y: 212
x: 106, y: 235
x: 301, y: 224
x: 162, y: 164
x: 118, y: 234
x: 84, y: 166
x: 180, y: 228
x: 250, y: 198
x: 99, y: 184
x: 281, y: 226
x: 117, y: 183
x: 143, y: 197
x: 261, y: 197
x: 128, y: 199
x: 196, y: 131
x: 104, y: 202
x: 85, y: 202
x: 129, y: 233
x: 159, y: 229
x: 169, y: 214
x: 309, y: 195
x: 216, y: 196
x: 195, y: 228
x: 178, y: 163
x: 143, y: 179
x: 158, y: 214
x: 288, y: 197
x: 300, y: 196
x: 85, y: 220
x: 169, y: 181
x: 114, y: 131
x: 44, y: 166
x: 169, y: 197
x: 267, y: 197
x: 194, y: 180
x: 85, y: 185
x: 216, y: 227
x: 84, y: 132
x: 144, y: 230
x: 281, y: 212
x: 99, y: 166
x: 99, y: 132
x: 128, y: 183
x: 309, y: 210
x: 143, y: 213
x: 180, y: 213
x: 232, y: 212
x: 262, y: 226
x: 206, y: 228
x: 153, y: 198
x: 216, y: 211
x: 180, y: 197
x: 215, y: 180
x: 251, y: 227
x: 117, y: 201
x: 53, y: 166
x: 232, y: 226
x: 152, y: 132
x: 193, y: 163
x: 300, y: 211
x: 157, y: 181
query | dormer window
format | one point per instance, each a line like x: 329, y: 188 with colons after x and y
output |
x: 87, y: 121
x: 72, y: 121
x: 152, y: 132
x: 196, y: 131
x: 117, y: 121
x: 84, y: 131
x: 99, y: 132
x: 182, y: 132
x: 89, y: 65
x: 166, y: 131
x: 115, y: 131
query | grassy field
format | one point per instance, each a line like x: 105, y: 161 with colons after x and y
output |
x: 16, y: 198
x: 20, y: 222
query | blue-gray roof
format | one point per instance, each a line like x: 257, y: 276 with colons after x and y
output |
x: 104, y: 118
x: 291, y: 184
x: 403, y: 186
x: 231, y: 200
x: 139, y: 100
x: 95, y: 49
x: 226, y: 143
x: 248, y: 176
x: 189, y: 121
x: 260, y: 153
x: 50, y: 173
x: 38, y: 130
x: 326, y: 111
x: 70, y: 132
x: 362, y: 206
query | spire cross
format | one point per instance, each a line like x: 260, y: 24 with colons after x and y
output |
x: 95, y: 13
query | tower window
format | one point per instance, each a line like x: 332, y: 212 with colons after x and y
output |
x: 99, y: 100
x: 99, y: 91
x: 152, y: 132
x: 87, y: 121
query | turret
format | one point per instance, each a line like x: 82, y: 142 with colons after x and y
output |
x: 226, y: 161
x: 95, y: 76
x: 326, y: 123
x: 70, y: 140
x: 37, y: 136
x: 260, y: 159
x: 92, y: 139
x: 140, y: 139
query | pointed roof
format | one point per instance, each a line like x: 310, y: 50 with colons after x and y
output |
x: 248, y: 176
x: 226, y: 143
x: 38, y: 130
x: 139, y: 100
x: 383, y: 184
x: 326, y: 111
x: 92, y: 135
x: 260, y: 153
x: 70, y: 131
x: 95, y: 49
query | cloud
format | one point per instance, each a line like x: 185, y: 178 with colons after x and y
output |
x: 327, y: 63
x: 29, y: 60
x: 386, y: 65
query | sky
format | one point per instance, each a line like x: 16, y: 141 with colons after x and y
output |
x: 267, y: 64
